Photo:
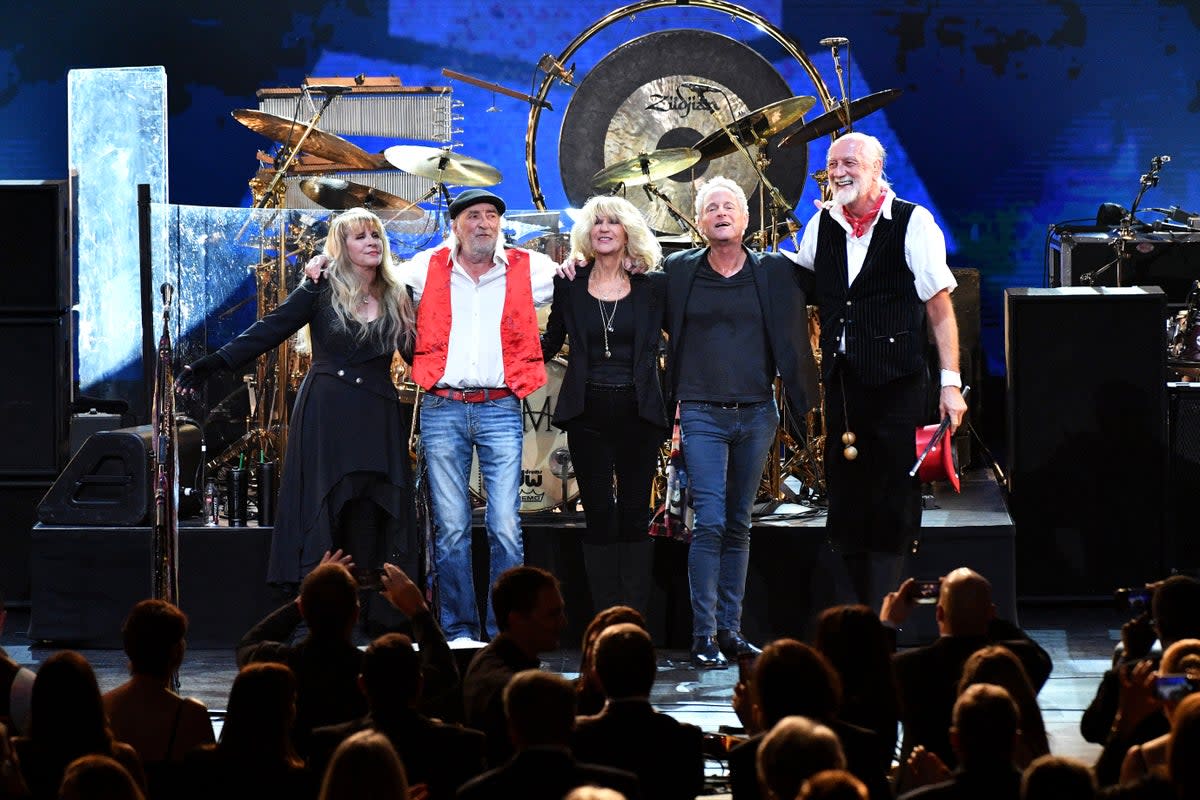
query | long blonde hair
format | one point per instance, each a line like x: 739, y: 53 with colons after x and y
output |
x: 394, y: 326
x: 640, y: 243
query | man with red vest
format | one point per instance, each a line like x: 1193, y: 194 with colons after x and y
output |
x: 477, y: 356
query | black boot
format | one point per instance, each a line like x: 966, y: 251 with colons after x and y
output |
x: 733, y: 645
x: 706, y: 653
x: 637, y: 581
x: 604, y: 575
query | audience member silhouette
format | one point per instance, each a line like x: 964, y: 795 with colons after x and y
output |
x: 68, y: 722
x: 1180, y: 661
x: 16, y: 687
x: 145, y: 712
x: 859, y: 647
x: 1058, y: 778
x: 541, y: 714
x: 983, y: 734
x: 997, y: 665
x: 833, y: 784
x: 628, y: 733
x: 530, y: 615
x: 365, y: 767
x: 589, y: 696
x: 1126, y: 688
x: 928, y: 676
x: 254, y: 756
x: 326, y: 662
x: 794, y: 750
x: 440, y: 757
x: 97, y: 777
x: 791, y: 678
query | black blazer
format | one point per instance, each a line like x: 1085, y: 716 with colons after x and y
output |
x: 783, y: 297
x: 571, y: 303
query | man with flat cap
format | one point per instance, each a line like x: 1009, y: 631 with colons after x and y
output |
x: 477, y: 356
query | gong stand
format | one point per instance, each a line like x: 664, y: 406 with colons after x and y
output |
x: 685, y: 224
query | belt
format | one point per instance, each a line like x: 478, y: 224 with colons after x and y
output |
x: 610, y: 387
x: 735, y: 404
x: 471, y: 395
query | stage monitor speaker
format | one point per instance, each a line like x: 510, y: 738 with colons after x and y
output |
x: 33, y: 217
x: 109, y: 481
x: 33, y: 397
x: 1086, y: 437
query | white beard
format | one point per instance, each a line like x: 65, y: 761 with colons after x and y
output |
x: 845, y: 195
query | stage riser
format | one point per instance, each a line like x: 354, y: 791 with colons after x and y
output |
x: 86, y: 579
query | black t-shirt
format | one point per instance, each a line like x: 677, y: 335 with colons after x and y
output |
x: 724, y: 356
x: 615, y: 368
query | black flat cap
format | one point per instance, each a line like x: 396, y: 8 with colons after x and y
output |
x: 472, y: 196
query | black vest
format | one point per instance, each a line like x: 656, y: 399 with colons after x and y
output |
x: 881, y: 314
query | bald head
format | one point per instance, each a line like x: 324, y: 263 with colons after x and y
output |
x: 965, y: 604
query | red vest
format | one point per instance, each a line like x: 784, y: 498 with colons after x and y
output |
x: 520, y: 343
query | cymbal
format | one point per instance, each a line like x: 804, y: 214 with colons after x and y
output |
x: 762, y: 124
x: 319, y: 143
x: 832, y: 121
x: 442, y: 166
x: 646, y: 168
x: 337, y: 193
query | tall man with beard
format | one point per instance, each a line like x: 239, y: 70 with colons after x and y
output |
x: 880, y: 268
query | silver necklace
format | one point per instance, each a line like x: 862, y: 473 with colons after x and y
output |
x: 606, y: 323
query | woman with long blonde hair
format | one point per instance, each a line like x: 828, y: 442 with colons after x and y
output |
x: 611, y: 402
x: 346, y: 474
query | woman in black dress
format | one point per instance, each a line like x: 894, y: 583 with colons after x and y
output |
x: 347, y: 481
x: 611, y: 402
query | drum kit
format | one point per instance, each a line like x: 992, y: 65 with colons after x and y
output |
x: 754, y: 135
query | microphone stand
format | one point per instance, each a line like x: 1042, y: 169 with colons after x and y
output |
x: 1125, y: 232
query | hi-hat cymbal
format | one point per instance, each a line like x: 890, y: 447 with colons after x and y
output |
x: 442, y: 166
x: 337, y: 194
x: 761, y: 124
x: 319, y: 143
x: 832, y: 121
x: 646, y: 168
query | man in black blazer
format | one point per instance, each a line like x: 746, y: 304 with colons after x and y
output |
x: 628, y: 733
x: 735, y: 319
x: 541, y: 713
x: 440, y: 756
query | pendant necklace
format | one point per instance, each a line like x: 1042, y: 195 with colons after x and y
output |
x: 606, y: 323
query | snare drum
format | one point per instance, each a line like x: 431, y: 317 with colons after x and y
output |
x: 547, y: 476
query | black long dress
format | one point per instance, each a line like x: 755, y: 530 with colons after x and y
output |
x: 347, y: 437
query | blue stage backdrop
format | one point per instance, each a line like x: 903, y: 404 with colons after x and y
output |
x: 1014, y: 115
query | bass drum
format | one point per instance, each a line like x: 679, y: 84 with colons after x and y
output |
x: 547, y: 475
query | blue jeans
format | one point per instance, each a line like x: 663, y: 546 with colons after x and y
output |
x: 725, y: 450
x: 450, y: 430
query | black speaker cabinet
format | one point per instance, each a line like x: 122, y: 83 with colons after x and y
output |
x: 1086, y: 437
x: 33, y: 396
x: 18, y: 501
x: 109, y: 481
x: 1183, y: 476
x: 33, y: 219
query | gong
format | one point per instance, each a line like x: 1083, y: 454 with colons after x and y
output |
x: 633, y: 101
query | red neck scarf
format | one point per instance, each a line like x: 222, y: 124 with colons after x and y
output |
x: 859, y: 225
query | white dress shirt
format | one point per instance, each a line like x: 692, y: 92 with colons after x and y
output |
x: 924, y: 248
x: 474, y: 358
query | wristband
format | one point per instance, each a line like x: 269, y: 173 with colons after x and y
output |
x: 951, y: 378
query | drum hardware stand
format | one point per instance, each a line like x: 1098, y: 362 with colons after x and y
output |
x: 685, y: 224
x: 564, y: 469
x: 781, y: 210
